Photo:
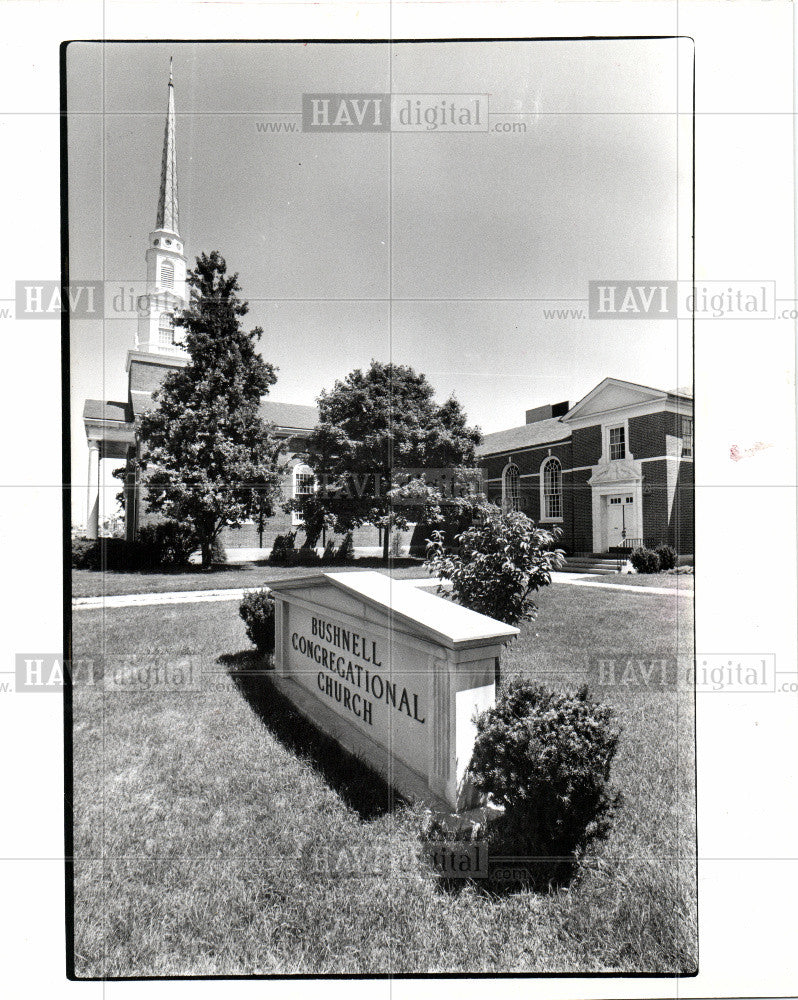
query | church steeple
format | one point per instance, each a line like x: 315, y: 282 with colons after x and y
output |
x: 166, y: 262
x: 167, y: 199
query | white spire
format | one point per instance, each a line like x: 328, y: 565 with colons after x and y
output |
x: 167, y: 198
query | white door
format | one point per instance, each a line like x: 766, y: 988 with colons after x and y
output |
x: 620, y: 518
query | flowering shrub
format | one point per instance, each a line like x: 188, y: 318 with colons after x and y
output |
x: 500, y: 562
x: 258, y: 611
x: 546, y: 758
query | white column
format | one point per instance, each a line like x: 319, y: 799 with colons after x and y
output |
x: 93, y: 491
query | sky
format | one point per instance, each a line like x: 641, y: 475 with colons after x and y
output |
x: 437, y: 250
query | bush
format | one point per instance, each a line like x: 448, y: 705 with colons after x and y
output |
x: 667, y: 556
x: 546, y: 758
x: 346, y: 551
x: 501, y: 561
x: 328, y: 555
x: 304, y: 557
x: 282, y: 546
x: 85, y: 553
x: 113, y: 554
x: 645, y: 561
x: 164, y: 543
x: 258, y: 611
x: 218, y: 551
x: 395, y: 545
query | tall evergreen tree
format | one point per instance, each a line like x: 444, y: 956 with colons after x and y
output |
x: 207, y: 456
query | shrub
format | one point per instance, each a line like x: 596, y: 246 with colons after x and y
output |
x: 546, y: 758
x: 165, y: 543
x: 395, y: 545
x: 281, y: 547
x: 329, y: 551
x: 105, y: 554
x: 645, y: 561
x: 501, y: 561
x: 258, y: 611
x: 304, y: 557
x: 218, y: 551
x: 85, y: 553
x: 346, y: 551
x: 667, y: 556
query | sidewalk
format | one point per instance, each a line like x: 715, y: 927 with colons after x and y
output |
x: 236, y: 594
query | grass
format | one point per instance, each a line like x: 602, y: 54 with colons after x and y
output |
x: 680, y: 581
x: 209, y: 825
x: 94, y: 583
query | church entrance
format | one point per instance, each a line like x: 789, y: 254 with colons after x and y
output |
x: 621, y: 519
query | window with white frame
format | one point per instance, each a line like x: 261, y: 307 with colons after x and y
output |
x: 167, y: 274
x: 511, y: 489
x: 617, y: 441
x: 304, y: 485
x: 552, y: 490
x: 687, y: 437
x: 166, y: 329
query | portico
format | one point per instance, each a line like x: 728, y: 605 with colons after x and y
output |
x: 110, y: 434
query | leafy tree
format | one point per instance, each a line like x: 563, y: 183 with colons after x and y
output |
x: 372, y: 424
x: 207, y: 457
x: 499, y: 563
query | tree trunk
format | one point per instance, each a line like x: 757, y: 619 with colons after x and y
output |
x: 207, y: 553
x: 386, y: 540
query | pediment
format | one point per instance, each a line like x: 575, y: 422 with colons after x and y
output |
x: 616, y: 473
x: 613, y: 394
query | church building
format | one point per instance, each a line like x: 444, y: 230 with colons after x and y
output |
x: 110, y: 425
x: 611, y: 472
x: 614, y: 471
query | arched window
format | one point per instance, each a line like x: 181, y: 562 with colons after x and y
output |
x: 304, y: 485
x: 167, y: 274
x: 551, y: 490
x: 511, y: 489
x: 166, y: 329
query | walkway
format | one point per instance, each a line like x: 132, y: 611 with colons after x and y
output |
x: 236, y: 594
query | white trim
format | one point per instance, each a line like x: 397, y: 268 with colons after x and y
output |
x: 590, y: 468
x: 300, y: 469
x: 541, y: 489
x: 632, y: 410
x: 606, y: 429
x: 610, y: 478
x: 505, y: 507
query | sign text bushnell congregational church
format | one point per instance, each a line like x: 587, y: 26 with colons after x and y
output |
x: 353, y: 683
x: 395, y: 674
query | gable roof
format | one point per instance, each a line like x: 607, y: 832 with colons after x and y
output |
x: 618, y: 394
x: 542, y: 432
x: 108, y: 409
x: 294, y: 416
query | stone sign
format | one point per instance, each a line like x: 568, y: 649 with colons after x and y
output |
x: 394, y: 673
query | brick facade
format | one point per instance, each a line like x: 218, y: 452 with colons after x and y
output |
x: 654, y: 475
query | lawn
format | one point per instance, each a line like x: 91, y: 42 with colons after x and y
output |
x: 94, y: 583
x: 208, y: 822
x: 672, y: 581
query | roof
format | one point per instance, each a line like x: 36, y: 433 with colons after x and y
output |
x: 293, y: 415
x: 109, y: 409
x: 540, y: 432
x: 427, y: 614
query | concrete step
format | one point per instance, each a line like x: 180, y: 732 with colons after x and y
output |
x: 590, y: 564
